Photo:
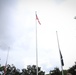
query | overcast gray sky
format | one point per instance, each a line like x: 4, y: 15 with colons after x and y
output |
x: 17, y: 31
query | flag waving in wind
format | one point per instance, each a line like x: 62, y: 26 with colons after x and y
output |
x: 61, y: 58
x: 38, y: 19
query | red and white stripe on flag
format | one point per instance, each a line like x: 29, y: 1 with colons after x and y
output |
x: 38, y: 19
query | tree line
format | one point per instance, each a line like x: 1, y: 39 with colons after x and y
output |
x: 31, y: 70
x: 12, y: 70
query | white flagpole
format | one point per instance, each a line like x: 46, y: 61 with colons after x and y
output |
x: 36, y: 45
x: 59, y: 52
x: 6, y: 61
x: 7, y: 56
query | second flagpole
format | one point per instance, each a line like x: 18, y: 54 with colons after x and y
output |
x: 36, y: 46
x: 59, y: 52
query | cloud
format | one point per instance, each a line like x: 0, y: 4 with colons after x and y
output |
x: 17, y: 30
x: 6, y: 38
x: 58, y: 1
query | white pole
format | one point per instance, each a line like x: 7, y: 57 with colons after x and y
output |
x: 6, y: 61
x: 36, y: 46
x: 59, y: 52
x: 7, y: 56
